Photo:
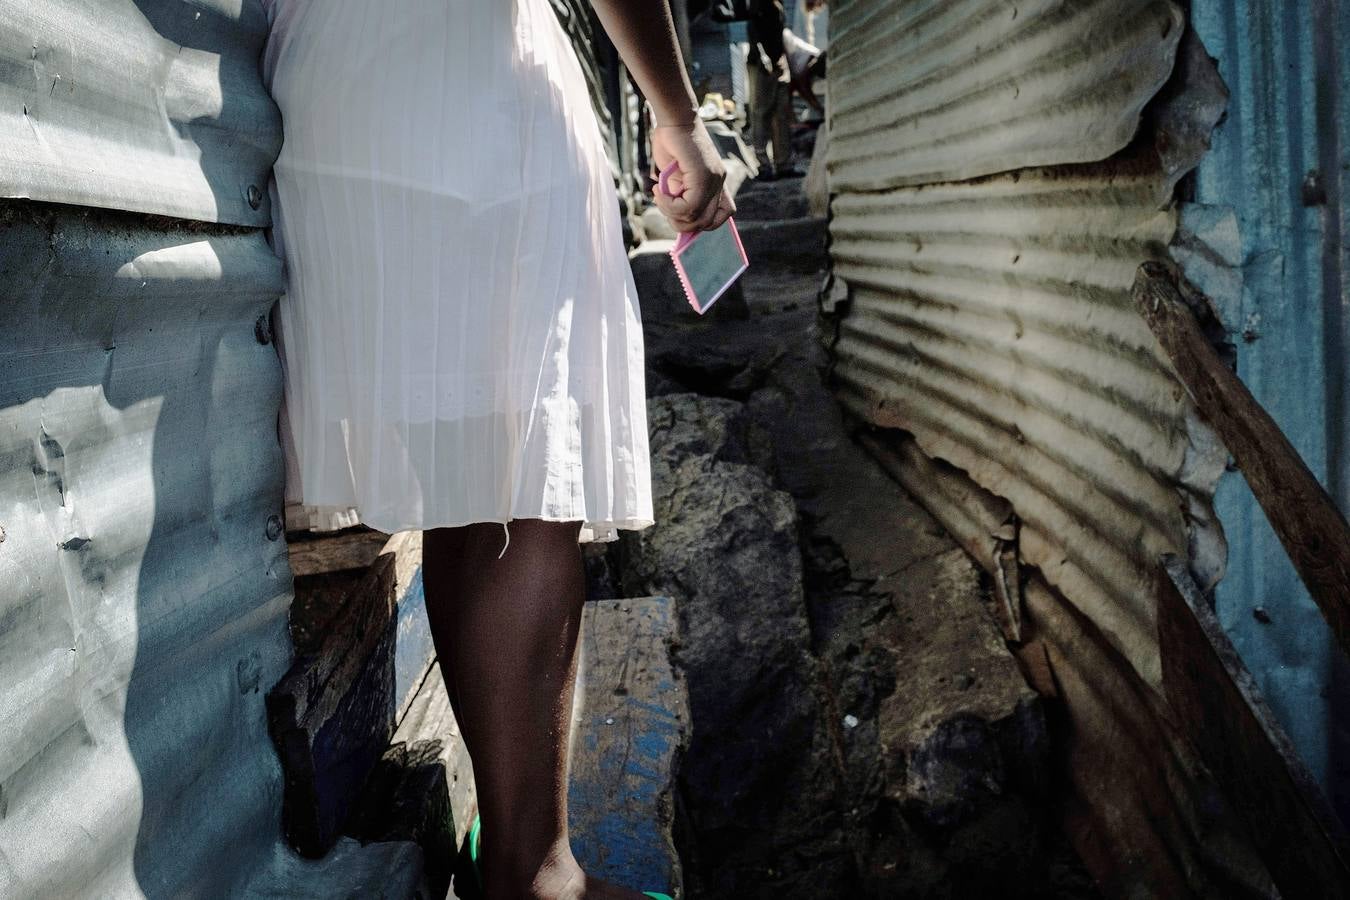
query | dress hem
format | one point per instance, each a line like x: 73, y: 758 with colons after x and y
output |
x: 300, y: 517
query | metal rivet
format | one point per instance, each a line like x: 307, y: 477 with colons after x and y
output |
x: 254, y: 196
x: 273, y: 527
x: 262, y: 329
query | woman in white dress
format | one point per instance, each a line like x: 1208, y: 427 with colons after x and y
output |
x: 462, y: 345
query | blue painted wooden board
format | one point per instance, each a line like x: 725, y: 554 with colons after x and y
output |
x: 632, y: 724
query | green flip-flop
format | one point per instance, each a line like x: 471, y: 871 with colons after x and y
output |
x: 476, y: 835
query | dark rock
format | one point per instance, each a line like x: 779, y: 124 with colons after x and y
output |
x: 714, y: 370
x: 793, y: 245
x: 955, y: 774
x: 756, y: 781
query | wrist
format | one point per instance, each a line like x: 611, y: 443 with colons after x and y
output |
x: 683, y: 113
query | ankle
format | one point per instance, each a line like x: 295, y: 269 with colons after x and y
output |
x: 553, y: 874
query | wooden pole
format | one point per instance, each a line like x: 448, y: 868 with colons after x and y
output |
x: 1306, y: 520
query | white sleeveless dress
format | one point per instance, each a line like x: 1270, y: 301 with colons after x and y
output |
x: 461, y: 338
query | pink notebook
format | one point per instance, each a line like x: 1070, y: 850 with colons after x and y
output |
x: 708, y: 262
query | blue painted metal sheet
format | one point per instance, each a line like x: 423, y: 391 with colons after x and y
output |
x: 1275, y: 171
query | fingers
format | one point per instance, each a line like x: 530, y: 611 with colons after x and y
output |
x: 702, y: 203
x: 687, y: 214
x: 705, y: 218
x: 725, y: 208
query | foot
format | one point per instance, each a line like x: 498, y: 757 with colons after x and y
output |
x: 559, y: 878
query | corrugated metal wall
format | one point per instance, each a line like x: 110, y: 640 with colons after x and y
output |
x: 1267, y: 241
x: 930, y: 90
x: 145, y: 105
x: 144, y: 587
x: 994, y: 195
x: 991, y: 316
x: 993, y: 320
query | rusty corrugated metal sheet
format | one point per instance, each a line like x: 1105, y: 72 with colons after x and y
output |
x: 993, y: 320
x: 153, y: 106
x: 931, y: 90
x: 145, y: 587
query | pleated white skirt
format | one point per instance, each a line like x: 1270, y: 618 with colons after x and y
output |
x: 461, y: 337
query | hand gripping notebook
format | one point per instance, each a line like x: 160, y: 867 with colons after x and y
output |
x: 708, y: 262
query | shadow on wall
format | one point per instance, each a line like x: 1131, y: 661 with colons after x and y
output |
x: 144, y: 462
x: 233, y: 125
x: 214, y: 586
x: 142, y: 492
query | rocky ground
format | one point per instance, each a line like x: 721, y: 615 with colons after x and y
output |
x: 859, y: 728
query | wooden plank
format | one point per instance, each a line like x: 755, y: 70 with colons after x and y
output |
x: 1222, y: 712
x: 335, y: 552
x: 363, y: 650
x: 332, y: 714
x: 423, y: 788
x: 632, y: 726
x: 1306, y: 520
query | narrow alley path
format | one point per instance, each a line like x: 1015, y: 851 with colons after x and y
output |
x: 859, y: 727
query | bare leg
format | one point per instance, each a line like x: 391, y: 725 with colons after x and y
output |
x: 506, y: 634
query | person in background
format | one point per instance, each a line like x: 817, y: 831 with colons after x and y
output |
x: 770, y: 90
x: 804, y: 61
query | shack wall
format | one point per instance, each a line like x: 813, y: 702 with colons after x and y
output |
x: 999, y: 172
x: 144, y: 585
x: 1269, y: 204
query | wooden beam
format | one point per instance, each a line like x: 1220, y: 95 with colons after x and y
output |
x: 1306, y: 520
x: 336, y: 552
x: 332, y: 714
x: 1222, y: 712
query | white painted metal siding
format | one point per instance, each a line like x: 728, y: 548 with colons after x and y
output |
x: 153, y: 106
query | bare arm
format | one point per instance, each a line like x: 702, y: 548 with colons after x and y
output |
x: 644, y: 33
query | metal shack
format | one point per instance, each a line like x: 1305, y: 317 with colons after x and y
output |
x: 999, y: 171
